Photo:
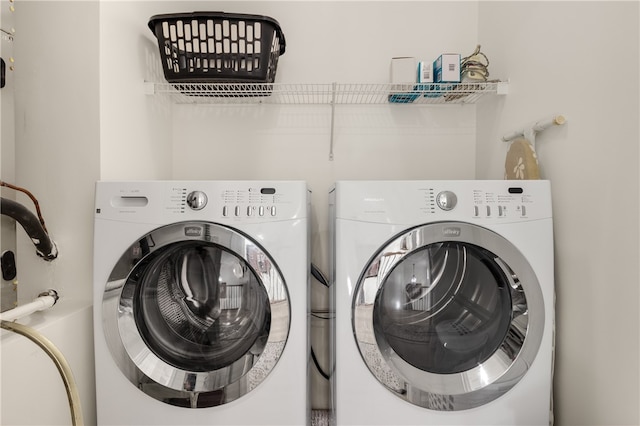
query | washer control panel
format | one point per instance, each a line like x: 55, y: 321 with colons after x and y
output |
x: 245, y: 202
x: 251, y: 202
x: 161, y: 201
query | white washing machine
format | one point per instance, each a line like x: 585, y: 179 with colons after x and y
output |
x: 444, y: 299
x: 200, y: 302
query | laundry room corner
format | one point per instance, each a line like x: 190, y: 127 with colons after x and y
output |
x: 91, y: 103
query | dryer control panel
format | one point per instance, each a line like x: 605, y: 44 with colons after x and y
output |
x: 513, y: 202
x: 410, y: 202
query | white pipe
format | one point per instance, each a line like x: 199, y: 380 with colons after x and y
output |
x: 556, y: 120
x: 43, y: 301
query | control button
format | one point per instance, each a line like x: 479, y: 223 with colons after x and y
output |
x: 523, y: 211
x: 197, y: 200
x: 225, y: 211
x: 236, y: 211
x: 476, y: 211
x: 249, y: 210
x: 446, y: 200
x: 273, y: 211
x: 488, y: 211
x: 500, y: 211
x: 261, y: 211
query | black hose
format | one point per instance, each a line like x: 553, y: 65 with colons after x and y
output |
x: 319, y: 276
x: 318, y: 367
x: 322, y: 279
x: 45, y: 247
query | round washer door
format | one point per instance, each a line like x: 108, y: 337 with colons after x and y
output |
x: 196, y: 314
x: 448, y: 316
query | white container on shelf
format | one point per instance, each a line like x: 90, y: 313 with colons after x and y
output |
x: 403, y: 70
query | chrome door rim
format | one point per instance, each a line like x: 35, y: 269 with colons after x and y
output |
x: 135, y: 359
x: 470, y: 388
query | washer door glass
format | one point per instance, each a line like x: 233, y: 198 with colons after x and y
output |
x: 200, y: 307
x: 196, y: 314
x: 448, y: 316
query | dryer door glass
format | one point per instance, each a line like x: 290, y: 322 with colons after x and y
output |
x: 448, y: 315
x: 445, y: 308
x: 196, y: 314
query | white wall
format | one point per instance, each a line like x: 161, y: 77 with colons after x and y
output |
x: 135, y: 129
x: 57, y: 159
x: 7, y: 148
x: 579, y: 59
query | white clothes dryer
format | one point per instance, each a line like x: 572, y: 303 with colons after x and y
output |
x: 200, y: 302
x: 444, y: 298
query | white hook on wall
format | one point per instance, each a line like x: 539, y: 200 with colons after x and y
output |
x: 529, y: 132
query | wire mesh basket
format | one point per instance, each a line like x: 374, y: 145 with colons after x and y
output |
x: 218, y: 47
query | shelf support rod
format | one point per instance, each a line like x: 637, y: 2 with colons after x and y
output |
x: 333, y: 114
x: 529, y: 132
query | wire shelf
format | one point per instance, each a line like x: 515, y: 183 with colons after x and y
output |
x: 331, y: 94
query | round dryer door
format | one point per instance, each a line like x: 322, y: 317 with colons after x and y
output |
x: 196, y: 314
x: 448, y: 316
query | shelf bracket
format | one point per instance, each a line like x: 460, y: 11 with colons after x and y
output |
x: 529, y: 132
x: 149, y: 88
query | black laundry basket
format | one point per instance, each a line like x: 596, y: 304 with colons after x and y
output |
x: 218, y: 48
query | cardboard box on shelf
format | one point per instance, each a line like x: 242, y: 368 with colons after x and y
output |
x: 446, y: 69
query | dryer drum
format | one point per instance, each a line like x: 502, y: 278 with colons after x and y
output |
x: 459, y: 317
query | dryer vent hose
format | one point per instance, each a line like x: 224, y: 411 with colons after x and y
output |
x: 45, y: 247
x: 58, y: 359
